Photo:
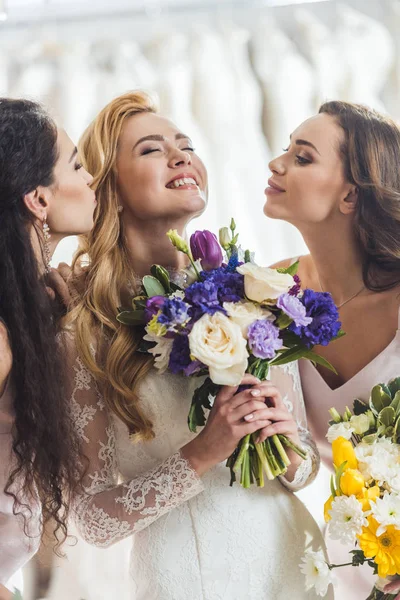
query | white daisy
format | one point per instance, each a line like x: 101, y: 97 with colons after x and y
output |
x: 386, y: 511
x: 339, y: 430
x: 347, y: 519
x: 161, y: 351
x: 317, y: 572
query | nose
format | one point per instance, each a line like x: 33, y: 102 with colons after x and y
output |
x: 277, y: 165
x: 179, y: 158
x: 87, y: 177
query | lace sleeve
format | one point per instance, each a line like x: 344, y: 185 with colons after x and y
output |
x: 105, y: 511
x: 287, y: 379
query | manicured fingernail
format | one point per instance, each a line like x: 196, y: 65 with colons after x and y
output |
x: 255, y: 392
x: 249, y: 417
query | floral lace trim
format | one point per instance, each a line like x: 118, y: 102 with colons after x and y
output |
x: 147, y: 497
x: 308, y: 468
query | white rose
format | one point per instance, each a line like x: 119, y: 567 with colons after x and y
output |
x: 245, y: 313
x: 218, y: 343
x: 262, y: 283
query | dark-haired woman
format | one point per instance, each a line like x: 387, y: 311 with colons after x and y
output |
x: 44, y: 196
x: 338, y: 182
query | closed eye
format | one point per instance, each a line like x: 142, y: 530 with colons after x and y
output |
x: 150, y: 151
x: 78, y: 166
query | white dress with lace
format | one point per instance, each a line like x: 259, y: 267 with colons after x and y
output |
x: 193, y: 538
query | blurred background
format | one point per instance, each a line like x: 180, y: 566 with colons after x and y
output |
x: 237, y: 76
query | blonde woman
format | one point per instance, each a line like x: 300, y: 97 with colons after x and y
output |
x: 194, y: 536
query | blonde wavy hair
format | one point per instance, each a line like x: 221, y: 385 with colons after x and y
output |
x: 108, y: 276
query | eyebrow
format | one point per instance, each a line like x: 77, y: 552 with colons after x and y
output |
x: 155, y: 137
x: 306, y: 143
x: 74, y: 153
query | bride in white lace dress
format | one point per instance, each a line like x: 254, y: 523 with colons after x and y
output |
x: 194, y: 536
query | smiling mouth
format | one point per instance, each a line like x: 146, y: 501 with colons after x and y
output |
x: 182, y: 183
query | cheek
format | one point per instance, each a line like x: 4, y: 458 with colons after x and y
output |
x: 142, y: 188
x: 313, y: 195
x: 72, y: 209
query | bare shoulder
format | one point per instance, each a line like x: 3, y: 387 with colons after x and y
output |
x: 5, y: 356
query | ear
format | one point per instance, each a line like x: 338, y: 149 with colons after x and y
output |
x: 37, y: 202
x: 348, y: 204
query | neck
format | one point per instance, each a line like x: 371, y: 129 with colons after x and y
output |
x: 148, y: 244
x: 337, y: 258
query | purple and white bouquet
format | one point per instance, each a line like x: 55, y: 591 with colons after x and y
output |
x: 226, y: 317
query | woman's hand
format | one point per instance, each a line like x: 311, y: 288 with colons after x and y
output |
x: 233, y: 416
x: 393, y: 587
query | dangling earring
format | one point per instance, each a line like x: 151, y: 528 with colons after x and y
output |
x: 46, y: 245
x: 120, y: 208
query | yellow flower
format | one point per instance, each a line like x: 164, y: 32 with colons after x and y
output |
x: 366, y: 495
x: 327, y: 507
x: 352, y: 482
x: 342, y: 451
x: 384, y: 549
x: 156, y: 328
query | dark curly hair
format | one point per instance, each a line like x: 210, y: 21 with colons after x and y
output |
x: 371, y: 159
x: 44, y: 444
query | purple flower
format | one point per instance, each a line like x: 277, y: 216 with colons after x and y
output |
x: 230, y: 285
x: 294, y: 291
x: 203, y: 296
x: 205, y: 247
x: 263, y: 338
x: 153, y: 305
x: 325, y: 323
x: 294, y: 309
x: 174, y: 314
x: 179, y: 360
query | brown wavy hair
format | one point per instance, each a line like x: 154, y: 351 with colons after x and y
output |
x: 108, y: 276
x: 371, y: 158
x: 44, y: 444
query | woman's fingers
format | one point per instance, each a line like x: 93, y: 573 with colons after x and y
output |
x: 249, y: 410
x: 227, y: 391
x: 265, y: 412
x: 288, y: 428
x: 59, y: 287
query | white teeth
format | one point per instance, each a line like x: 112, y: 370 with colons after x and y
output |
x: 185, y: 181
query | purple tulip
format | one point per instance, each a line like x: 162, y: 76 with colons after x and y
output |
x: 153, y: 305
x: 205, y: 247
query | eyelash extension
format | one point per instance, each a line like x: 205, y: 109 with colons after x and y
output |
x: 190, y: 149
x: 78, y: 166
x: 150, y: 150
x: 286, y: 149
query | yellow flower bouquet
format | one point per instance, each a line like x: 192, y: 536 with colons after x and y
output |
x: 364, y: 506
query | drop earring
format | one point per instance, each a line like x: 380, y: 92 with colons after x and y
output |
x: 46, y: 245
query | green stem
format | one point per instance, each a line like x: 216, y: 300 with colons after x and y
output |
x: 244, y: 446
x: 263, y: 460
x: 285, y: 440
x: 194, y: 266
x: 280, y: 449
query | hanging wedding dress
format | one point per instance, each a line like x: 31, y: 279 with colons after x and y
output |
x: 192, y: 538
x: 287, y: 82
x: 318, y: 44
x: 358, y: 37
x: 392, y: 88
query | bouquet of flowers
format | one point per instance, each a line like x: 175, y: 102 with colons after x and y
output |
x: 364, y: 506
x: 226, y: 317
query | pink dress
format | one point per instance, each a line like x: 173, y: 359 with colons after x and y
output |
x: 355, y: 583
x: 16, y: 548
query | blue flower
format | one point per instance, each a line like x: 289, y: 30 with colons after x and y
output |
x: 174, y: 314
x: 179, y: 360
x: 294, y: 309
x: 325, y: 323
x: 203, y: 296
x: 263, y: 339
x: 230, y: 285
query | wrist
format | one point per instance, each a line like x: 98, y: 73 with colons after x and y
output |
x: 193, y: 453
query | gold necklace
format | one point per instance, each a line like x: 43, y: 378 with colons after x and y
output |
x: 348, y: 299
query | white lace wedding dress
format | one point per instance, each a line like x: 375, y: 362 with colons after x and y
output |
x: 193, y: 538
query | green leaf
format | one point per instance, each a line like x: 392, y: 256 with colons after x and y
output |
x: 247, y: 257
x: 289, y: 355
x: 379, y: 399
x: 152, y: 286
x: 358, y: 557
x: 339, y: 335
x: 396, y: 431
x: 394, y: 386
x: 139, y: 303
x: 360, y: 407
x: 283, y: 321
x: 316, y: 358
x: 339, y: 472
x: 370, y: 438
x: 162, y: 276
x: 131, y: 317
x: 291, y: 270
x: 332, y: 484
x: 387, y: 416
x: 396, y: 403
x: 200, y: 403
